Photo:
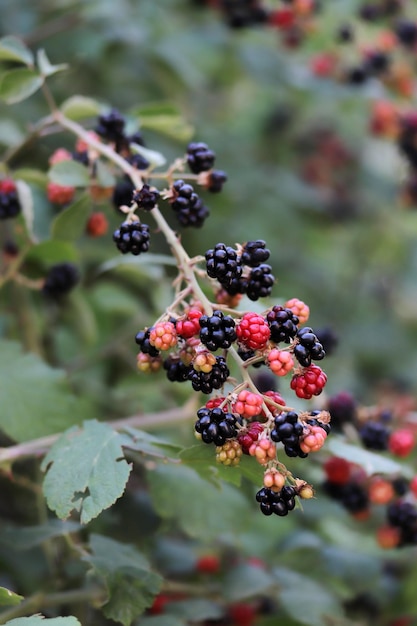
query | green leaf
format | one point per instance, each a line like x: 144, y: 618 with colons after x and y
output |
x: 45, y: 66
x: 215, y: 511
x: 127, y: 577
x: 85, y: 471
x: 10, y: 133
x: 17, y: 85
x: 9, y: 598
x: 26, y: 202
x: 40, y: 620
x: 148, y: 444
x: 200, y: 457
x: 70, y: 223
x: 156, y: 159
x: 31, y: 175
x: 80, y: 107
x: 104, y: 175
x: 304, y: 599
x: 195, y: 610
x: 161, y: 620
x: 246, y: 581
x: 51, y: 252
x: 32, y: 536
x: 69, y: 173
x: 35, y: 398
x: 164, y: 118
x: 13, y: 49
x: 371, y: 462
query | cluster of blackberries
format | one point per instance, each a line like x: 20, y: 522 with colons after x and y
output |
x: 111, y: 127
x: 9, y: 201
x: 217, y: 330
x: 132, y: 237
x: 374, y: 435
x: 177, y: 371
x: 352, y: 495
x: 403, y: 515
x: 215, y: 426
x: 288, y: 430
x: 207, y: 381
x: 278, y: 502
x: 199, y: 157
x: 307, y: 347
x: 224, y: 264
x: 60, y: 279
x: 342, y: 408
x: 146, y: 198
x: 283, y: 324
x: 188, y: 206
x: 243, y: 13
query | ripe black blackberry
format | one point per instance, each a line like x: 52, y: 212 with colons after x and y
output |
x: 215, y: 425
x: 217, y: 330
x: 288, y: 430
x: 377, y: 63
x: 278, y: 502
x: 237, y: 285
x: 403, y: 515
x: 406, y: 32
x: 248, y: 354
x: 243, y: 13
x: 207, y: 381
x: 357, y: 75
x: 401, y: 485
x: 146, y: 198
x: 352, y: 496
x: 283, y: 324
x: 374, y: 436
x: 215, y: 181
x: 60, y: 279
x: 138, y: 161
x: 132, y: 237
x: 177, y: 371
x: 9, y: 201
x: 307, y: 347
x: 81, y: 156
x: 123, y: 193
x: 199, y: 157
x: 254, y: 253
x: 142, y: 339
x: 260, y: 282
x: 188, y: 205
x: 342, y: 408
x: 223, y: 264
x: 344, y: 33
x: 328, y: 339
x: 111, y: 126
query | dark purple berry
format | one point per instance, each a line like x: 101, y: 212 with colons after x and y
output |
x: 60, y: 279
x: 132, y: 237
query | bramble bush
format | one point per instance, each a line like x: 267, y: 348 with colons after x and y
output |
x: 207, y: 313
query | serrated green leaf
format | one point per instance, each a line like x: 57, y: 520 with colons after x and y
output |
x: 304, y: 599
x: 13, y: 49
x: 80, y: 107
x: 69, y: 173
x: 85, y: 471
x: 31, y: 536
x: 371, y: 462
x: 70, y: 223
x: 246, y: 581
x: 146, y: 443
x: 126, y: 574
x: 26, y: 202
x: 35, y: 398
x: 17, y: 85
x: 9, y: 598
x: 51, y: 252
x: 216, y: 510
x: 164, y: 118
x: 156, y: 159
x: 40, y: 620
x: 45, y: 66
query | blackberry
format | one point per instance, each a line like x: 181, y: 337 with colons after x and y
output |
x: 9, y: 203
x: 138, y: 161
x: 81, y: 156
x: 282, y: 323
x: 237, y: 285
x: 188, y: 205
x: 248, y: 354
x: 378, y: 63
x: 110, y: 126
x: 357, y: 75
x: 215, y: 426
x: 370, y: 12
x: 123, y: 193
x: 215, y: 181
x: 223, y: 264
x: 132, y: 237
x: 345, y: 34
x: 199, y: 157
x: 328, y: 339
x: 406, y: 32
x: 307, y: 347
x: 146, y: 198
x: 403, y: 515
x: 288, y: 430
x: 142, y: 339
x: 316, y: 422
x: 207, y: 381
x: 352, y: 496
x: 60, y: 279
x: 254, y: 253
x: 374, y: 436
x: 400, y: 485
x: 342, y: 408
x: 177, y: 371
x: 260, y: 282
x: 217, y: 330
x: 278, y: 502
x: 136, y: 138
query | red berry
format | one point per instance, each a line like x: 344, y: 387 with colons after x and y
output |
x: 60, y: 194
x: 380, y: 490
x: 208, y: 564
x: 253, y: 331
x: 60, y: 154
x: 280, y: 362
x: 7, y: 185
x: 282, y: 18
x: 309, y: 383
x: 242, y: 614
x: 388, y: 536
x: 275, y: 397
x: 401, y: 442
x: 413, y: 486
x: 249, y: 435
x: 97, y: 224
x: 248, y: 404
x: 337, y: 470
x: 189, y: 326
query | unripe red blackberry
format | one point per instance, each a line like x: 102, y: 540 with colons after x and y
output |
x: 60, y: 279
x: 217, y: 330
x: 146, y: 198
x: 60, y: 194
x: 222, y: 263
x: 207, y: 381
x: 278, y: 502
x: 132, y: 237
x: 283, y: 324
x: 254, y: 253
x: 215, y: 426
x: 309, y: 383
x: 260, y: 282
x: 189, y: 325
x: 187, y: 205
x: 307, y: 347
x: 253, y: 331
x: 9, y: 201
x: 249, y: 435
x: 199, y: 157
x: 374, y: 436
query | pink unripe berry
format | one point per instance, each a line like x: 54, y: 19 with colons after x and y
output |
x: 299, y: 308
x: 248, y: 404
x: 401, y: 442
x: 280, y: 362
